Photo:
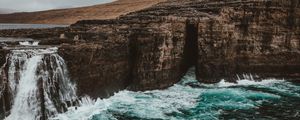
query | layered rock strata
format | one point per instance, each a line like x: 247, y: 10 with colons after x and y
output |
x: 154, y: 47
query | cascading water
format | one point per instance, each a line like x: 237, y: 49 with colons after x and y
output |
x: 37, y: 83
x: 29, y: 43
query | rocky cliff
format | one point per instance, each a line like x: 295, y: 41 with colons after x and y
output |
x: 154, y: 47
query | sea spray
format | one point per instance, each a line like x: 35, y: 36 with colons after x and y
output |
x: 188, y: 99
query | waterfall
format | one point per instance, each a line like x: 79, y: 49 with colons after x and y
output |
x: 38, y: 84
x: 29, y: 43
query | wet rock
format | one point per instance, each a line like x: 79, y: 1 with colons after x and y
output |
x: 154, y: 47
x: 5, y: 105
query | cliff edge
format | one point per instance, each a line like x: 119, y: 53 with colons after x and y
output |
x: 153, y: 48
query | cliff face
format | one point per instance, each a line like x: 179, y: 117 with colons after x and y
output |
x: 140, y: 56
x: 154, y: 47
x: 257, y: 37
x: 98, y: 62
x: 238, y: 37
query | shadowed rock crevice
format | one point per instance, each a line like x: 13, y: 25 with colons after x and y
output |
x: 133, y: 58
x: 190, y: 53
x: 42, y: 100
x: 291, y: 19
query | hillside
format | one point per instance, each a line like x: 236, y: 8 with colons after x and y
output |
x: 71, y: 15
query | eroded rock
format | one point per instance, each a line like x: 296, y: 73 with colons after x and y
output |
x: 154, y: 47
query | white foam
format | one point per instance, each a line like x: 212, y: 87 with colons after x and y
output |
x: 156, y: 104
x: 29, y: 43
x: 148, y: 104
x: 247, y: 82
x: 50, y: 50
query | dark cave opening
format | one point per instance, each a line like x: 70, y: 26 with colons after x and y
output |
x: 133, y: 59
x: 190, y: 53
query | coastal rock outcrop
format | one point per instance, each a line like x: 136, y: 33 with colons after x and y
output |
x: 236, y: 38
x: 154, y: 47
x: 100, y: 65
x: 139, y: 56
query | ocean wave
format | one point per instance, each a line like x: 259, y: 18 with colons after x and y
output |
x: 182, y: 101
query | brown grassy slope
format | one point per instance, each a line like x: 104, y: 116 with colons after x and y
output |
x: 69, y: 16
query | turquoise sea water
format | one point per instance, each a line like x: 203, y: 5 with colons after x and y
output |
x: 191, y: 100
